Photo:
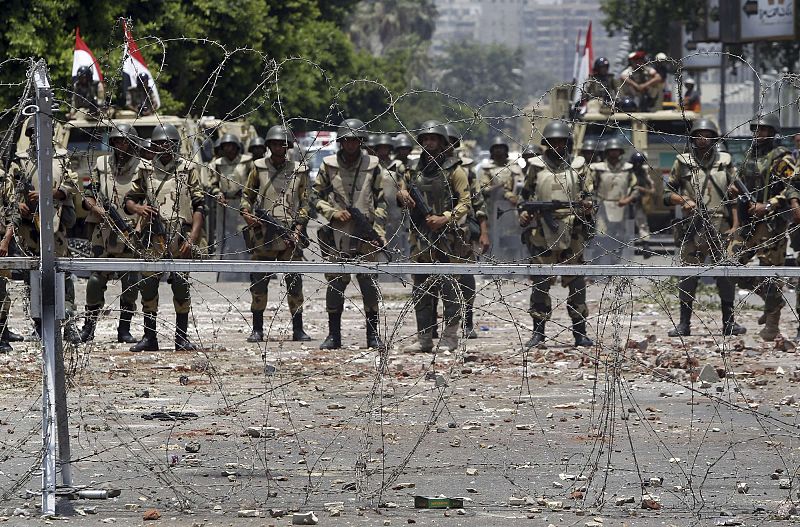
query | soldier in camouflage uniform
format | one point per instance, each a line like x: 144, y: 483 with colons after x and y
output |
x: 444, y: 185
x: 6, y: 235
x: 555, y: 175
x: 402, y: 148
x: 768, y: 172
x: 698, y: 182
x: 601, y: 86
x: 257, y: 148
x: 168, y: 197
x: 499, y: 175
x: 86, y: 92
x: 280, y: 187
x: 589, y: 151
x: 24, y: 181
x: 396, y: 222
x: 228, y: 175
x: 112, y: 179
x: 642, y: 82
x: 351, y: 179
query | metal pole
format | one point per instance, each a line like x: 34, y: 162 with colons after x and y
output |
x: 44, y: 164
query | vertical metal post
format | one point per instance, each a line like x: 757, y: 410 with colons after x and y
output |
x: 47, y: 291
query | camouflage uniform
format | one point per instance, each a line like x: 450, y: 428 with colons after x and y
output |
x: 612, y: 183
x: 653, y: 98
x: 5, y: 275
x: 702, y: 235
x: 24, y: 176
x: 283, y: 192
x: 769, y: 176
x: 567, y: 181
x: 228, y: 178
x: 477, y: 215
x: 110, y: 183
x: 396, y: 220
x: 603, y: 88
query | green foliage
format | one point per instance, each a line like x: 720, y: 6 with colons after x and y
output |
x: 647, y: 21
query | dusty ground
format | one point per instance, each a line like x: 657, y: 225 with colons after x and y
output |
x: 569, y: 431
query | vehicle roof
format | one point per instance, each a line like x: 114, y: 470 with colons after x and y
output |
x: 661, y: 115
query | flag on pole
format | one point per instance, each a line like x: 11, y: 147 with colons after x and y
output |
x: 135, y: 68
x: 83, y: 56
x: 583, y: 64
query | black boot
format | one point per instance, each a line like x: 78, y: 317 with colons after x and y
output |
x: 182, y: 342
x: 149, y: 341
x: 469, y: 326
x: 579, y: 332
x: 257, y: 335
x: 89, y: 323
x: 37, y: 329
x: 6, y: 334
x: 71, y: 333
x: 683, y: 329
x: 298, y: 334
x: 373, y: 340
x: 124, y: 327
x: 334, y: 339
x: 5, y: 347
x: 538, y: 334
x: 729, y: 325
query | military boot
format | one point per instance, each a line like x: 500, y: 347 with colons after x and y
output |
x: 469, y: 326
x: 449, y: 340
x: 257, y: 335
x: 334, y: 339
x: 7, y: 334
x: 182, y: 342
x: 684, y: 327
x: 298, y: 334
x: 422, y: 344
x: 124, y: 327
x: 538, y: 333
x: 89, y: 323
x: 71, y: 333
x: 5, y: 347
x: 579, y: 332
x: 149, y: 342
x: 729, y: 325
x: 373, y: 339
x: 771, y: 327
x: 37, y: 329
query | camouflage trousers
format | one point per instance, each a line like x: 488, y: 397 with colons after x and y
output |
x: 541, y: 304
x: 98, y: 281
x: 259, y: 282
x: 179, y: 282
x: 337, y: 284
x: 769, y: 246
x: 427, y: 289
x: 5, y: 301
x: 696, y: 249
x: 28, y: 243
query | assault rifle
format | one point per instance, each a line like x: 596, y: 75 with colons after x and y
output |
x: 116, y: 218
x: 743, y: 202
x: 546, y: 208
x: 365, y: 231
x: 421, y: 210
x: 27, y: 187
x: 274, y: 228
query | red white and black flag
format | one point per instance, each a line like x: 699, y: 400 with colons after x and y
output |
x: 135, y: 68
x: 83, y: 56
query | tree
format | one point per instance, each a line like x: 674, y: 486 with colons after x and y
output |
x: 647, y: 21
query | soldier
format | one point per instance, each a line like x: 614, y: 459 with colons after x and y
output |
x: 383, y: 146
x: 86, y: 92
x: 228, y: 175
x: 349, y: 187
x: 589, y: 151
x: 698, y: 183
x: 369, y: 144
x: 402, y: 147
x: 438, y: 237
x: 24, y: 181
x: 499, y: 173
x: 646, y: 188
x: 601, y: 86
x: 167, y: 195
x: 257, y: 148
x: 140, y: 96
x: 396, y: 222
x: 529, y: 152
x: 615, y: 187
x: 6, y: 335
x: 112, y: 179
x: 643, y: 83
x: 278, y: 187
x: 768, y: 173
x: 559, y: 237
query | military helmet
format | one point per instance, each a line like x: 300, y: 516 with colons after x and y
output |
x: 84, y: 71
x: 125, y: 131
x: 627, y: 104
x: 432, y: 128
x: 402, y: 141
x: 589, y: 143
x: 166, y: 132
x: 769, y: 120
x: 352, y: 128
x: 498, y: 141
x: 556, y: 130
x: 601, y: 62
x: 614, y: 143
x: 531, y: 150
x: 452, y: 133
x: 721, y: 146
x: 279, y: 133
x: 704, y: 124
x: 370, y: 140
x: 255, y: 142
x: 383, y: 139
x: 230, y: 138
x: 689, y: 81
x: 638, y: 159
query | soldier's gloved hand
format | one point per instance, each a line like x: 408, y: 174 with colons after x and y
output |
x: 342, y: 216
x: 524, y: 218
x: 436, y: 222
x: 404, y: 199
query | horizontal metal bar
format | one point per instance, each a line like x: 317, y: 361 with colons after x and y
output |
x: 490, y: 269
x: 18, y: 262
